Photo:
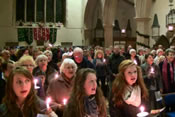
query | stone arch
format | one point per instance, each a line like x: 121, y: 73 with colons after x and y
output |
x: 163, y: 40
x: 172, y: 42
x: 93, y: 11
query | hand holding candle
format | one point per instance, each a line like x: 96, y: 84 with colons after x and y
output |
x: 104, y: 60
x: 48, y: 101
x: 35, y: 84
x: 64, y: 101
x: 152, y: 70
x: 56, y: 75
x: 135, y: 62
x: 142, y: 113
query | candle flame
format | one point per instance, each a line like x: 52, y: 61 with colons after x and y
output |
x: 56, y: 75
x: 50, y: 45
x: 64, y: 101
x: 48, y: 100
x: 35, y: 81
x: 135, y: 62
x: 104, y: 60
x: 152, y: 70
x: 142, y: 109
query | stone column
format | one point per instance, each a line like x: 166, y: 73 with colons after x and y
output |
x: 109, y: 16
x: 142, y: 8
x: 89, y: 36
x: 143, y: 29
x: 108, y: 35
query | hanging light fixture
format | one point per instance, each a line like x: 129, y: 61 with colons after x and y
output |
x: 170, y: 17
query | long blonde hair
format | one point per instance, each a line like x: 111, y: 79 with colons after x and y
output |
x: 120, y: 84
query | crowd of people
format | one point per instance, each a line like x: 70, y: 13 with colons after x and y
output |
x: 84, y: 81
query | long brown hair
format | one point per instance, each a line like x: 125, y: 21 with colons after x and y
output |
x: 120, y: 84
x: 10, y: 99
x: 78, y: 94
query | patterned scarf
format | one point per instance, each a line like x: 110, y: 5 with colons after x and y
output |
x: 91, y: 106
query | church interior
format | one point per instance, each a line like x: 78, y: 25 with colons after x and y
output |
x: 140, y: 23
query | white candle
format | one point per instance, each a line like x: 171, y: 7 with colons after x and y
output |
x: 48, y: 100
x: 56, y: 75
x: 64, y: 101
x: 135, y: 62
x: 35, y: 84
x: 142, y: 113
x: 152, y: 70
x: 104, y: 60
x: 50, y: 45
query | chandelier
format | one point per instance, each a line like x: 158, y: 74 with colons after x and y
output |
x: 170, y: 17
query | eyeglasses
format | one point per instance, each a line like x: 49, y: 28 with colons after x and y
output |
x: 31, y: 66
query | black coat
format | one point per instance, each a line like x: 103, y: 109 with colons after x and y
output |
x: 126, y: 110
x: 2, y: 88
x: 84, y: 64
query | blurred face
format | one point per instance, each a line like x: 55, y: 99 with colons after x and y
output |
x: 116, y: 50
x: 150, y: 60
x: 78, y: 57
x: 170, y: 56
x: 42, y: 63
x: 122, y: 50
x: 10, y: 66
x: 160, y: 53
x: 69, y: 70
x: 26, y: 52
x: 99, y: 55
x: 28, y: 65
x: 6, y: 55
x: 90, y: 84
x: 131, y: 75
x: 49, y: 57
x: 21, y: 86
x: 133, y: 54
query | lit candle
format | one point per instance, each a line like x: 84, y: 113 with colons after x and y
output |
x: 142, y: 113
x: 48, y: 100
x: 50, y: 45
x: 104, y: 60
x: 35, y: 84
x: 152, y: 70
x: 135, y: 62
x: 64, y: 101
x: 56, y: 75
x: 70, y: 53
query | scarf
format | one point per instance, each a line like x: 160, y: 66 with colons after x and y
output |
x: 90, y: 106
x: 132, y: 95
x: 164, y: 73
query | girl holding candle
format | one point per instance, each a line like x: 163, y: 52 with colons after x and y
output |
x: 153, y: 80
x: 20, y: 99
x: 86, y: 99
x: 128, y: 91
